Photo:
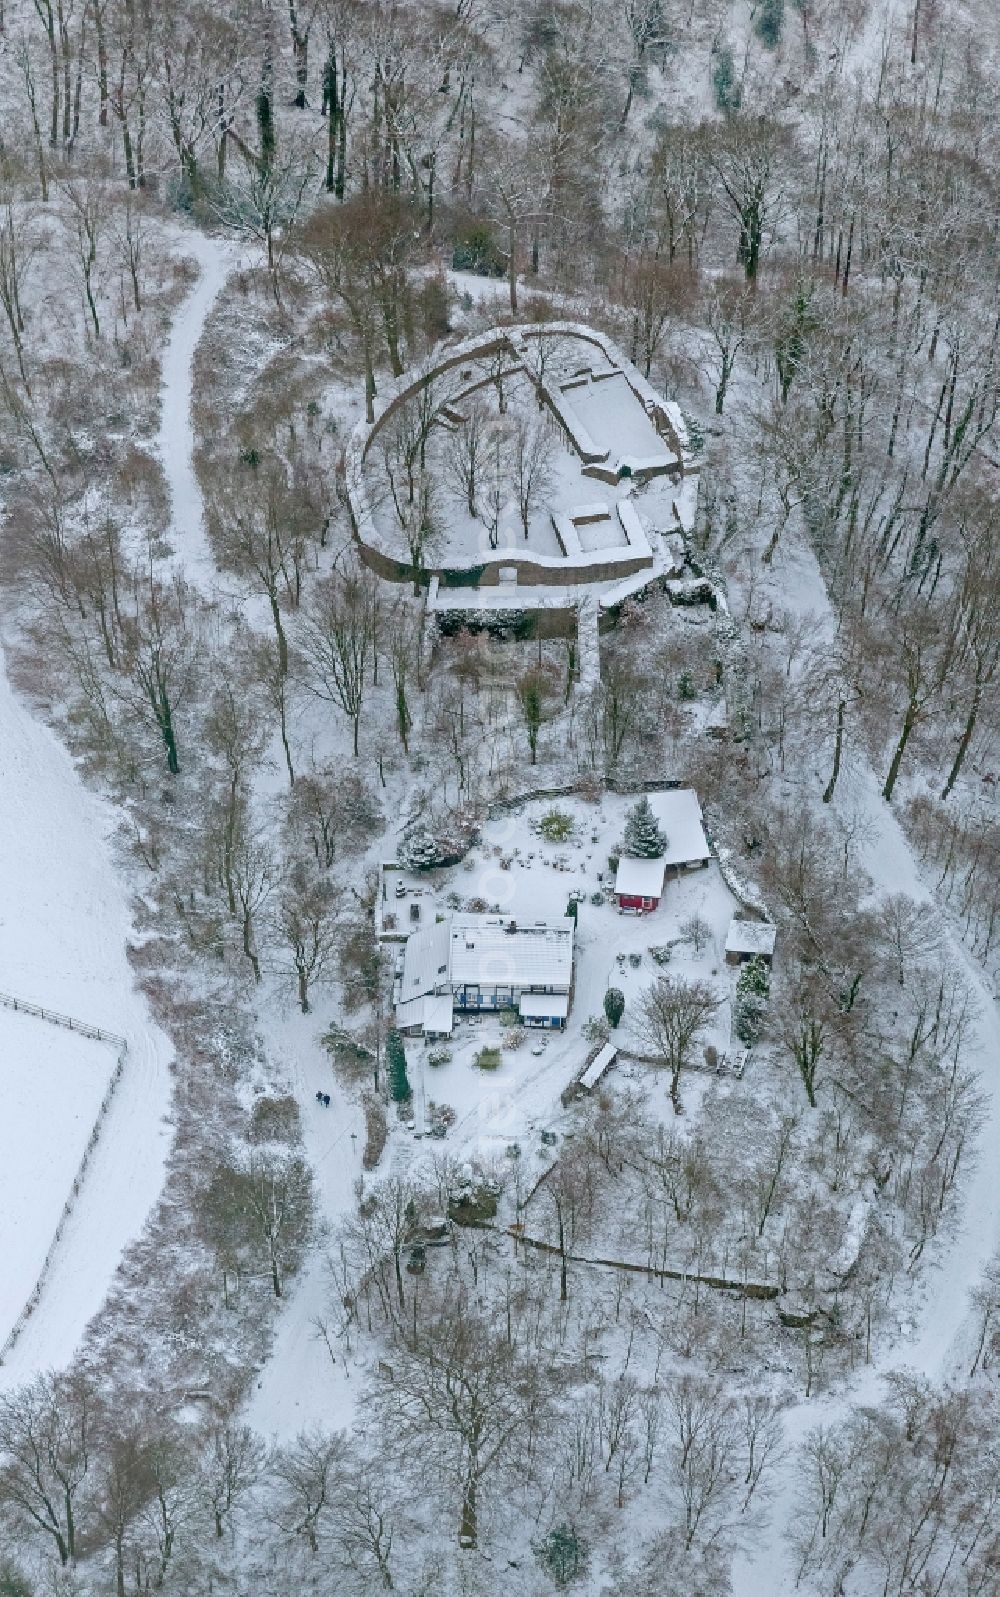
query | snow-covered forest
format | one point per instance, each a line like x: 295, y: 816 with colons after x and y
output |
x: 676, y: 1267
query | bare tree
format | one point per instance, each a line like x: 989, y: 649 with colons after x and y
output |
x: 669, y: 1020
x: 702, y: 1453
x: 232, y: 1465
x: 258, y: 1212
x: 533, y: 447
x: 47, y: 1445
x: 462, y: 1399
x: 360, y: 251
x: 304, y: 930
x: 161, y: 651
x: 306, y: 1476
x: 465, y: 454
x: 337, y: 642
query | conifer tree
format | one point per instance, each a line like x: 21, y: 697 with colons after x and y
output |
x: 753, y: 988
x: 644, y: 838
x: 614, y: 1004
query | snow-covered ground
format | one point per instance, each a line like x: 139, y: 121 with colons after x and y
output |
x: 64, y: 924
x: 938, y: 1342
x: 51, y: 1082
x: 301, y: 1381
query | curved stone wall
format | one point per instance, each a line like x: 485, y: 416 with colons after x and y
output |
x: 389, y: 559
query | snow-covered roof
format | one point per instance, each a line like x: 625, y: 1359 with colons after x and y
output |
x: 425, y: 963
x: 640, y: 878
x: 679, y: 813
x: 494, y: 950
x: 439, y: 1014
x: 750, y: 937
x: 602, y: 1062
x: 544, y: 1006
x: 434, y: 1013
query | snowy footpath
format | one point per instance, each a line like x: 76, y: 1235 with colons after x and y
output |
x: 305, y: 1377
x: 216, y: 260
x: 64, y: 925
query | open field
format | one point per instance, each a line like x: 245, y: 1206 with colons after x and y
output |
x: 51, y: 1085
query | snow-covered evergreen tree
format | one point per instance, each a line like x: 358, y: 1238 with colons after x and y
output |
x: 418, y: 849
x: 614, y: 1004
x: 644, y: 838
x: 753, y: 988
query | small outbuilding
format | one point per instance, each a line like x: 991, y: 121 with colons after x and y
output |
x: 639, y: 884
x: 548, y: 1010
x: 749, y: 939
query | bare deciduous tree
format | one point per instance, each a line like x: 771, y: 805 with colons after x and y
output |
x: 670, y: 1018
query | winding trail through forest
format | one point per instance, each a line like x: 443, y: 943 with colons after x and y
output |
x: 940, y: 1346
x: 64, y: 925
x: 217, y: 259
x: 65, y: 921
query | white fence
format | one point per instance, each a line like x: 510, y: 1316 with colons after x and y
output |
x: 119, y: 1044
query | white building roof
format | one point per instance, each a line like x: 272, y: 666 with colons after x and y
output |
x: 544, y: 1006
x: 496, y: 951
x: 439, y: 1014
x: 679, y: 813
x: 640, y: 878
x: 425, y: 962
x: 750, y: 937
x: 595, y: 1070
x: 433, y: 1013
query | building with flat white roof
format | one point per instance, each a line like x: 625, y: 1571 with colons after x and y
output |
x: 749, y: 939
x: 483, y: 963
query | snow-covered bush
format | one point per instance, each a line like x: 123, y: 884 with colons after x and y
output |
x: 556, y: 826
x: 418, y: 849
x: 562, y: 1554
x: 399, y: 1081
x: 596, y: 1029
x: 427, y: 846
x: 753, y: 989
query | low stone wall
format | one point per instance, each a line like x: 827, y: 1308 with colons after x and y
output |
x: 394, y: 567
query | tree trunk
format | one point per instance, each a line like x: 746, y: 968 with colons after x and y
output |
x: 279, y: 633
x: 909, y: 722
x: 838, y: 749
x: 512, y: 264
x: 248, y: 947
x: 965, y: 739
x: 369, y: 383
x: 283, y: 722
x: 468, y: 1534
